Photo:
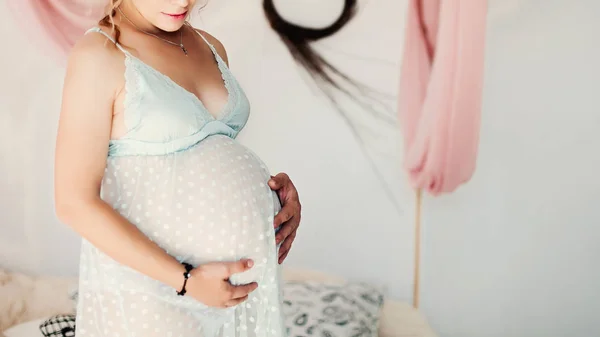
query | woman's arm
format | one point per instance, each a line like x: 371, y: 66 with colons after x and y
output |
x: 93, y: 80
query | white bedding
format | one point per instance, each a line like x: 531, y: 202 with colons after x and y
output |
x: 398, y: 319
x: 27, y: 329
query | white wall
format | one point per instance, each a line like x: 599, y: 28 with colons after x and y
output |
x: 349, y: 225
x: 515, y: 252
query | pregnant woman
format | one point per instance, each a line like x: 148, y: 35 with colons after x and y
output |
x: 182, y: 226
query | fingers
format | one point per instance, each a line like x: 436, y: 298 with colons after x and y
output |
x: 232, y: 295
x: 279, y: 180
x: 274, y: 183
x: 232, y: 303
x: 285, y: 214
x: 282, y: 258
x: 240, y: 291
x: 238, y: 267
x: 291, y: 211
x: 211, y: 283
x: 237, y: 294
x: 286, y: 246
x: 285, y: 231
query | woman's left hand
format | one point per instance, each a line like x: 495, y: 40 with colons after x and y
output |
x: 289, y: 215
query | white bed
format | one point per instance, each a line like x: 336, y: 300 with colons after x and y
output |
x: 26, y: 302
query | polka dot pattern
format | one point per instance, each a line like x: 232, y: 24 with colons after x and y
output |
x: 208, y: 203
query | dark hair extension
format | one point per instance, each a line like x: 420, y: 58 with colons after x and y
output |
x: 298, y: 39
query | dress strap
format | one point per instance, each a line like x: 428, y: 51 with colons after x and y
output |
x: 212, y: 48
x: 98, y: 30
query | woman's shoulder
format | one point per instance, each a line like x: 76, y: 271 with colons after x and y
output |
x: 97, y: 47
x: 215, y: 42
x: 96, y: 56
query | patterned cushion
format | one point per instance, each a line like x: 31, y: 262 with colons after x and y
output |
x: 59, y: 326
x: 331, y: 310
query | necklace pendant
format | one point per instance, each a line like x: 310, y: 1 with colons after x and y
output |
x: 183, y: 49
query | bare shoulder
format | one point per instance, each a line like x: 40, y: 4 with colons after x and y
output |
x: 216, y: 43
x: 94, y: 54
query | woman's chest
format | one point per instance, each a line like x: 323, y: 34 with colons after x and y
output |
x: 153, y: 107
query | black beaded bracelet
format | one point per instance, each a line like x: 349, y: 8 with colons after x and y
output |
x: 186, y: 276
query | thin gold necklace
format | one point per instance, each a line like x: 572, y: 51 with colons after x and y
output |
x: 180, y: 45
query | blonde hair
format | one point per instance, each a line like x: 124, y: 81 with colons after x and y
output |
x: 109, y: 19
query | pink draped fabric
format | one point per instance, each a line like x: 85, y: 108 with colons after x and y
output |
x: 55, y: 25
x: 440, y: 91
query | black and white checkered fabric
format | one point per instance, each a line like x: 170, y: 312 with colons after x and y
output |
x: 59, y: 326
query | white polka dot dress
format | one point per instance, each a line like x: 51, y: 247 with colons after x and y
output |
x: 180, y: 176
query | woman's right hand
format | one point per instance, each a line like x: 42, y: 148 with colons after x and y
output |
x: 209, y: 283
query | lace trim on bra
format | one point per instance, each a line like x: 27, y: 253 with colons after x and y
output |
x: 132, y: 114
x: 134, y: 67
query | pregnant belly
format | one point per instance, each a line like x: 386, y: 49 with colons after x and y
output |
x: 208, y: 203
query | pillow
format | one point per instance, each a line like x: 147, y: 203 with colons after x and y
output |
x: 59, y: 326
x: 27, y: 329
x: 331, y: 310
x: 25, y: 297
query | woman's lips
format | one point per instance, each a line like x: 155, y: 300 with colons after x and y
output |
x: 177, y: 16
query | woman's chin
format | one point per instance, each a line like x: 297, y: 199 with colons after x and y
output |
x: 172, y: 22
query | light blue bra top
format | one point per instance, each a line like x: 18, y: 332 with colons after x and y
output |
x: 161, y: 117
